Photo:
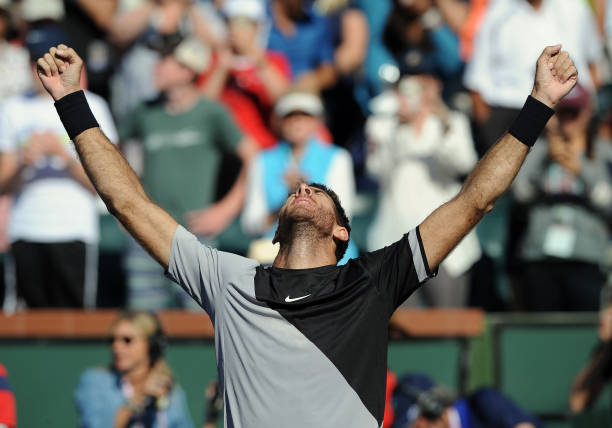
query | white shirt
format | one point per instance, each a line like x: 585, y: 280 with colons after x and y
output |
x: 512, y: 37
x: 417, y: 173
x: 50, y: 206
x: 15, y: 70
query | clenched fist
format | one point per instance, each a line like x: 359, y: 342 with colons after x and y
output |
x: 556, y: 75
x: 60, y: 71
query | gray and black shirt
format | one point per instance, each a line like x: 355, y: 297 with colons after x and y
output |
x: 300, y: 347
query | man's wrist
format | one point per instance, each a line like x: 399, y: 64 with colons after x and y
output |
x: 75, y: 114
x: 543, y: 98
x: 530, y: 121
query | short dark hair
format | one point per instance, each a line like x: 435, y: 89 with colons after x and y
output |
x: 341, y: 218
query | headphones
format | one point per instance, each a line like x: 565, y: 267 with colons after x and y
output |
x: 157, y: 341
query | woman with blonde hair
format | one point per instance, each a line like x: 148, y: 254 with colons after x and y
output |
x: 138, y: 388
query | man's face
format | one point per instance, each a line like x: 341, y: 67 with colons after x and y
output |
x: 298, y: 127
x: 170, y: 73
x: 242, y: 35
x: 308, y: 205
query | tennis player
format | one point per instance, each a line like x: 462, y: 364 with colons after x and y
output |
x: 302, y: 343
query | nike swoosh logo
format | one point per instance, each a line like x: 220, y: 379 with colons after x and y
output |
x: 289, y: 299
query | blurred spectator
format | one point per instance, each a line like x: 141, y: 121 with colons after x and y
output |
x: 184, y: 136
x: 419, y: 403
x: 597, y: 373
x: 300, y: 157
x: 138, y: 389
x: 53, y: 225
x: 214, y: 405
x: 247, y: 78
x: 303, y: 35
x: 14, y: 61
x: 349, y: 32
x: 566, y: 189
x: 87, y: 22
x: 8, y: 408
x: 419, y: 149
x: 507, y: 45
x: 422, y: 44
x: 464, y: 18
x: 143, y: 28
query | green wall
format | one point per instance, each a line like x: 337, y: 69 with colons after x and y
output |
x: 45, y: 373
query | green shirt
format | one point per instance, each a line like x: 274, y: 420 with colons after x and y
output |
x: 182, y: 152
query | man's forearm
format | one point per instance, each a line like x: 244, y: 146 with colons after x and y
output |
x: 111, y: 175
x: 493, y: 175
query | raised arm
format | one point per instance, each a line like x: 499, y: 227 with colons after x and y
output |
x: 114, y: 180
x: 555, y: 76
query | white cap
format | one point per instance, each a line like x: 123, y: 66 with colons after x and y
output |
x: 304, y: 102
x: 251, y: 9
x: 193, y: 54
x: 35, y: 10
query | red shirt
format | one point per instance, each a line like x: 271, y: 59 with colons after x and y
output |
x: 249, y: 102
x: 8, y: 414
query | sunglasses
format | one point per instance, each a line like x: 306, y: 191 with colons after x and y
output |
x: 123, y: 339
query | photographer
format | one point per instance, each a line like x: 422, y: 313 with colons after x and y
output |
x: 420, y: 403
x: 138, y: 389
x: 418, y: 150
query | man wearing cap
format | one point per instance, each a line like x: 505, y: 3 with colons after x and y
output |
x: 302, y: 343
x: 184, y: 136
x: 53, y: 223
x: 247, y: 78
x: 299, y: 157
x: 565, y: 193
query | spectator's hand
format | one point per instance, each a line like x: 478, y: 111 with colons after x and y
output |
x: 34, y: 150
x: 293, y: 178
x: 158, y: 382
x: 605, y: 325
x: 53, y: 145
x: 60, y: 71
x: 555, y: 76
x: 210, y: 221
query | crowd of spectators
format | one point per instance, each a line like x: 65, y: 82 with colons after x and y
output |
x: 222, y: 106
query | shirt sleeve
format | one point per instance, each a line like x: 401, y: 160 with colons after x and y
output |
x: 476, y: 76
x: 325, y: 48
x: 130, y: 126
x: 94, y: 400
x: 341, y: 180
x: 8, y: 138
x: 227, y: 135
x: 399, y: 269
x: 196, y: 268
x: 253, y: 219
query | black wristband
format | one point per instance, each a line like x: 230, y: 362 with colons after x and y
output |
x: 75, y: 114
x: 530, y: 121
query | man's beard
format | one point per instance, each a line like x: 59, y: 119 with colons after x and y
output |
x: 309, y: 226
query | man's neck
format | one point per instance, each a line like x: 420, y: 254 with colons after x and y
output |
x: 306, y: 250
x: 181, y: 99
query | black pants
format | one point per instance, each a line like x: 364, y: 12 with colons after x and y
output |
x: 50, y: 275
x: 562, y: 286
